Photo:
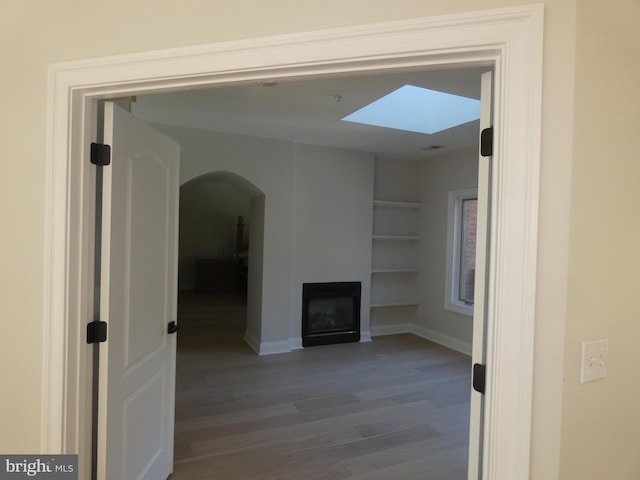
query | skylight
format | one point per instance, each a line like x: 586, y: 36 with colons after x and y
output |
x: 418, y: 109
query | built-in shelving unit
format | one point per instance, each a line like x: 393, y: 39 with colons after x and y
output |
x: 395, y: 239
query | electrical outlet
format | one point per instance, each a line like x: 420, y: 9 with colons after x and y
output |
x: 595, y: 358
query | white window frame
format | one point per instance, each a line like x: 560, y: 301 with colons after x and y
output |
x: 454, y: 237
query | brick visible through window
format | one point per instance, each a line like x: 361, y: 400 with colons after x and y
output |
x: 461, y: 251
x: 466, y: 278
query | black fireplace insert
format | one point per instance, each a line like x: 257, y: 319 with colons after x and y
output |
x: 330, y: 313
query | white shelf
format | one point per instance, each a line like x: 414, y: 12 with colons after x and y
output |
x: 394, y: 304
x: 395, y: 270
x: 394, y: 204
x: 410, y: 238
x: 394, y: 249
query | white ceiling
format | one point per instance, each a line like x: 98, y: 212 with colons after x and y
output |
x: 309, y: 111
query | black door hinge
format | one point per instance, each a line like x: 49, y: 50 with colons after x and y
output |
x: 486, y: 142
x: 172, y: 327
x: 96, y: 332
x: 100, y: 154
x: 479, y: 377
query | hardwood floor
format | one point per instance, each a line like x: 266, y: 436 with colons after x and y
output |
x: 394, y: 408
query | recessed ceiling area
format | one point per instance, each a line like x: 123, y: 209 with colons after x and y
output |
x: 310, y: 111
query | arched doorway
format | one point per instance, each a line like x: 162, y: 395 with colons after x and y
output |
x: 221, y: 242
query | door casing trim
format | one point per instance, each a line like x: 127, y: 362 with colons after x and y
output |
x: 508, y: 39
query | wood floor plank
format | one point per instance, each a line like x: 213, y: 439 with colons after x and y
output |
x: 322, y: 431
x: 397, y: 407
x: 418, y: 452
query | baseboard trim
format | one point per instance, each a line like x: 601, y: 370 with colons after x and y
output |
x: 271, y: 348
x: 252, y: 341
x: 423, y: 332
x: 295, y: 343
x: 394, y: 329
x: 442, y: 339
x: 286, y: 346
x: 365, y: 336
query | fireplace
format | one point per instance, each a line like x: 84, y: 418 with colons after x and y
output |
x: 330, y: 313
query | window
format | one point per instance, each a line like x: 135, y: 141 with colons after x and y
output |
x: 461, y: 251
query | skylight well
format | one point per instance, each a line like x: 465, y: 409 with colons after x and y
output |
x: 417, y: 109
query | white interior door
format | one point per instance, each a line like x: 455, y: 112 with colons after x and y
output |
x: 479, y: 310
x: 138, y: 291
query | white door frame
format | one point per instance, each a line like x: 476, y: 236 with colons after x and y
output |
x: 509, y: 40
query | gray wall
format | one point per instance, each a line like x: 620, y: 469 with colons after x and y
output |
x: 317, y: 225
x: 333, y: 191
x: 427, y: 181
x: 439, y: 176
x: 316, y: 211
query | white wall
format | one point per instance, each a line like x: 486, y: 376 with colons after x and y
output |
x: 428, y: 182
x: 35, y: 34
x: 256, y: 272
x: 397, y: 180
x: 332, y: 222
x: 268, y: 166
x: 331, y: 225
x: 601, y: 420
x: 209, y: 211
x: 440, y: 175
x: 317, y: 222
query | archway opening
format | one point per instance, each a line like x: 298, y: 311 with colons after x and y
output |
x: 221, y: 251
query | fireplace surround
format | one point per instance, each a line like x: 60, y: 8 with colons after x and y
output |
x: 330, y: 313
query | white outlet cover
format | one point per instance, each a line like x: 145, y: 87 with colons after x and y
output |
x: 595, y: 360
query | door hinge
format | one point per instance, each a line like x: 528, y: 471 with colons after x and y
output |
x: 96, y: 332
x: 479, y: 377
x: 100, y: 154
x: 172, y: 327
x: 486, y: 142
